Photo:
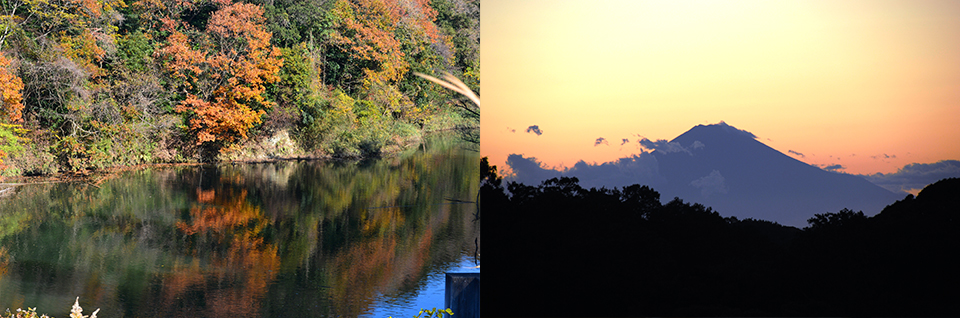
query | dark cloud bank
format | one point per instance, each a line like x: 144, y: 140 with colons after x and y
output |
x: 915, y: 176
x: 728, y: 169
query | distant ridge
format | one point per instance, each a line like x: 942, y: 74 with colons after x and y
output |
x: 730, y: 170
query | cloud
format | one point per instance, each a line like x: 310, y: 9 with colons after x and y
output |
x: 535, y: 129
x: 915, y: 176
x: 625, y: 141
x: 601, y: 140
x: 884, y: 156
x: 796, y: 153
x: 511, y: 130
x: 636, y: 169
x: 710, y: 184
x: 529, y: 170
x: 834, y: 168
x: 665, y: 146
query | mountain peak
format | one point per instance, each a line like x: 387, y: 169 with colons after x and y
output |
x: 735, y: 173
x: 721, y: 127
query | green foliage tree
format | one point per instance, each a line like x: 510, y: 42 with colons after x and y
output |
x: 10, y: 142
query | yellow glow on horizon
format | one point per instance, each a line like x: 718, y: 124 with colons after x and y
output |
x: 823, y: 78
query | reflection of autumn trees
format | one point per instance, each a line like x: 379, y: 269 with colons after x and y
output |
x: 4, y: 261
x: 232, y: 240
x: 380, y: 222
x: 370, y: 227
x: 374, y: 227
x: 221, y: 215
x: 224, y: 229
x: 374, y: 266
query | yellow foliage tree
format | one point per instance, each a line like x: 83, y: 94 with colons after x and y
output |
x: 368, y: 31
x: 388, y: 38
x: 78, y: 26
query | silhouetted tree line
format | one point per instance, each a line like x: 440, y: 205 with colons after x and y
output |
x: 562, y: 250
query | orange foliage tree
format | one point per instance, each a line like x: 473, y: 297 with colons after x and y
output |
x: 11, y: 88
x: 11, y: 97
x: 221, y: 71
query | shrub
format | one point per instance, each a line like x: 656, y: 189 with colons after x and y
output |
x: 431, y: 313
x: 75, y: 312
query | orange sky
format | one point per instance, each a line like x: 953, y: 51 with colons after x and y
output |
x: 839, y: 81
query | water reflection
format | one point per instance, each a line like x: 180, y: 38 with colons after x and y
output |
x: 273, y: 239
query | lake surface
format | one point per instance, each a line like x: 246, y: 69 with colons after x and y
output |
x: 284, y: 239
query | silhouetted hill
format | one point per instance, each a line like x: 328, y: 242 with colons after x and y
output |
x: 730, y: 170
x: 901, y: 261
x: 562, y: 250
x: 939, y: 201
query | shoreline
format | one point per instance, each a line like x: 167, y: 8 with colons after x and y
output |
x: 90, y: 175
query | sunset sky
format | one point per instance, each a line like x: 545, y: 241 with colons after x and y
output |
x: 869, y: 85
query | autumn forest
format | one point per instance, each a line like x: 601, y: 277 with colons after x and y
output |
x: 89, y: 84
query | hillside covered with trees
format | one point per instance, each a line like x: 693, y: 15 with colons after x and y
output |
x: 88, y: 84
x: 562, y: 250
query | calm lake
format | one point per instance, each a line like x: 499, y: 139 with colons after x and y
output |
x: 285, y: 239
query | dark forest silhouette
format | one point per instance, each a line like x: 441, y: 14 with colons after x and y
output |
x: 562, y: 250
